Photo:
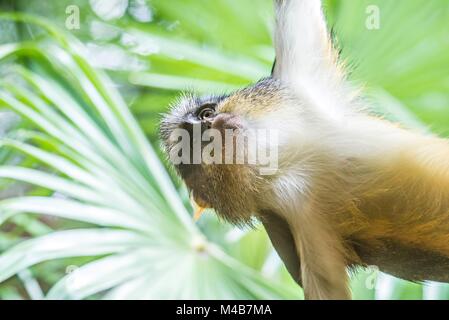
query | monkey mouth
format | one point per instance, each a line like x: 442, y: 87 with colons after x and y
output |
x: 199, y: 201
x: 194, y: 177
x: 200, y: 205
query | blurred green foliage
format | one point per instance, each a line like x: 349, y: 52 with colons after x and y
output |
x: 152, y: 50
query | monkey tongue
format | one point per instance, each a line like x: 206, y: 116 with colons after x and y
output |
x: 200, y: 205
x: 198, y: 213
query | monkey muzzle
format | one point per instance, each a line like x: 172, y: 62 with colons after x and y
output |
x: 193, y: 167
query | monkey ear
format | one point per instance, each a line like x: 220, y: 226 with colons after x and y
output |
x: 304, y: 50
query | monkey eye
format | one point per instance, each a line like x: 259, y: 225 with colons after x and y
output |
x: 207, y: 113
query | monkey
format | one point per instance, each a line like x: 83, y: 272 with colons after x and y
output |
x: 350, y: 189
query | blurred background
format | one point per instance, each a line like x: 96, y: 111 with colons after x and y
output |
x: 89, y: 208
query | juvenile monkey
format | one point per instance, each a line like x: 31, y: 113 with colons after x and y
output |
x: 351, y: 189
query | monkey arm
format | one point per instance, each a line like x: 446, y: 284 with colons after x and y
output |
x: 319, y: 248
x: 303, y: 47
x: 323, y: 269
x: 282, y: 239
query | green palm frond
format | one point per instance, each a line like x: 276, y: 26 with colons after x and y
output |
x: 101, y: 170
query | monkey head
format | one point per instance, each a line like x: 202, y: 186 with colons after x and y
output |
x: 215, y: 144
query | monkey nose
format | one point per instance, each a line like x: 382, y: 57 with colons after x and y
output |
x: 226, y: 121
x: 198, y: 125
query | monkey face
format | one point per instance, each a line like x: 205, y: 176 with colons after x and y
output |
x: 211, y: 141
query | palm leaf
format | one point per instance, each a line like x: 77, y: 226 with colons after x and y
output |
x: 102, y: 171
